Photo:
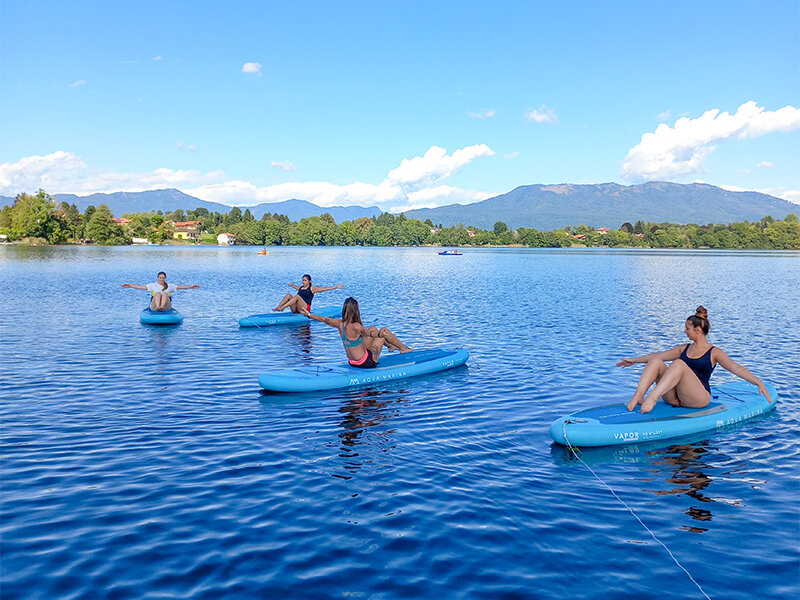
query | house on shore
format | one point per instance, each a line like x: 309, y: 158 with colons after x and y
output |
x: 226, y: 239
x: 187, y: 230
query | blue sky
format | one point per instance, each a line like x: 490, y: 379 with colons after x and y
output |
x: 403, y: 105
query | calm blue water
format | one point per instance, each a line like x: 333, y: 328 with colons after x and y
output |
x: 140, y: 462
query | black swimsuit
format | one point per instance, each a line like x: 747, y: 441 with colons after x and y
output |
x: 701, y: 367
x: 307, y: 295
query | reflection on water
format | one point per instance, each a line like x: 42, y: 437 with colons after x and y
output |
x: 681, y: 466
x: 363, y: 440
x: 687, y: 460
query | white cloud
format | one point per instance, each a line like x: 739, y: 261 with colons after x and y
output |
x: 543, y: 114
x: 64, y: 172
x: 664, y: 116
x: 512, y: 155
x: 434, y: 165
x: 482, y: 115
x: 252, y: 67
x: 78, y: 83
x: 158, y: 58
x: 765, y: 164
x: 186, y: 147
x: 682, y: 149
x: 284, y: 165
x: 415, y: 183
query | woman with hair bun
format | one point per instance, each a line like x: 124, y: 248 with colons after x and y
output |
x: 685, y: 381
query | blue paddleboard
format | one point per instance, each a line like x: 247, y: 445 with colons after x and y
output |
x: 390, y: 367
x: 288, y: 318
x: 614, y: 424
x: 158, y: 317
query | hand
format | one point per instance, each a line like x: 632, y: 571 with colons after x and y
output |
x: 340, y: 287
x: 126, y: 285
x: 291, y: 285
x: 762, y: 389
x: 195, y: 287
x: 626, y: 362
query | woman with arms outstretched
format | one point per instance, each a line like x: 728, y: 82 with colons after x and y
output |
x: 362, y: 345
x: 685, y: 381
x: 305, y: 294
x: 161, y: 292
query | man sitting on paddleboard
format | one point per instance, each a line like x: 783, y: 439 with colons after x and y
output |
x: 685, y: 381
x: 305, y: 294
x: 363, y: 346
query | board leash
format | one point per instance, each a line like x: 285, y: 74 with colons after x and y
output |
x: 576, y: 453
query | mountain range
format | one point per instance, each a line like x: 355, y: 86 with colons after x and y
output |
x: 543, y: 207
x: 170, y: 200
x: 547, y: 207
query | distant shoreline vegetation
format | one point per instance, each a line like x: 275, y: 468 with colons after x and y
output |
x: 38, y: 220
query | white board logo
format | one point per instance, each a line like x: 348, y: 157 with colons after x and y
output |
x: 630, y: 436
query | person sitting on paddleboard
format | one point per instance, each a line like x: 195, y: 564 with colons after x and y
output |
x: 685, y: 381
x: 362, y: 345
x: 305, y: 294
x: 161, y: 292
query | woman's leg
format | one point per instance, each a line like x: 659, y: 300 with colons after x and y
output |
x: 162, y: 302
x: 282, y: 304
x: 296, y: 304
x: 374, y: 345
x: 685, y: 388
x: 652, y: 372
x: 392, y: 342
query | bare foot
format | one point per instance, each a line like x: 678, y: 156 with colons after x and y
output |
x: 277, y: 308
x: 648, y: 405
x: 633, y: 402
x: 405, y: 350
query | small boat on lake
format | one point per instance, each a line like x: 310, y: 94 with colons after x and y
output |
x: 450, y: 253
x: 263, y: 252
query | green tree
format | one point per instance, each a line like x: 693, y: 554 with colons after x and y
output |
x: 247, y: 216
x: 626, y: 227
x: 103, y: 230
x: 500, y: 227
x: 233, y: 216
x: 71, y: 219
x: 33, y: 216
x: 792, y: 218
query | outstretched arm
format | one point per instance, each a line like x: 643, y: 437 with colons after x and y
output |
x: 187, y: 287
x: 326, y: 320
x: 727, y: 363
x: 291, y: 285
x: 316, y: 289
x: 667, y: 355
x: 134, y: 286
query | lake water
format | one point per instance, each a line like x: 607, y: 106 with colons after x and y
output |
x: 140, y: 462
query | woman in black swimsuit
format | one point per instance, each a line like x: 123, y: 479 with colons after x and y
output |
x: 685, y: 381
x: 305, y: 294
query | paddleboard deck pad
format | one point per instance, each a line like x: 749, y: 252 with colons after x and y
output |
x: 160, y: 317
x: 610, y: 425
x: 390, y: 368
x: 288, y: 318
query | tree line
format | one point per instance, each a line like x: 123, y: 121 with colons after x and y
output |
x: 39, y: 219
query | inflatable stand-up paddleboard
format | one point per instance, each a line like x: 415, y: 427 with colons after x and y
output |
x: 610, y: 425
x: 158, y: 317
x: 312, y: 378
x: 288, y: 318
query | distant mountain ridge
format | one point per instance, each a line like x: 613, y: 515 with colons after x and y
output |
x: 169, y: 200
x: 547, y: 207
x: 543, y: 207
